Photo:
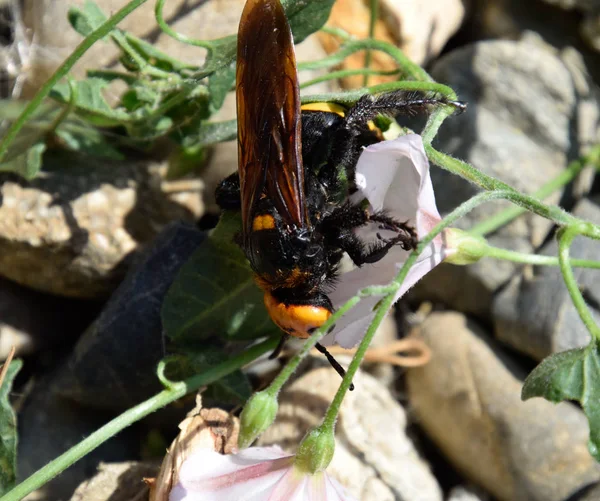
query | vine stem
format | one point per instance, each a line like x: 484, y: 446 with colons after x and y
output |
x: 374, y: 14
x: 174, y: 391
x: 102, y: 31
x: 536, y: 259
x: 528, y: 202
x: 565, y: 239
x: 160, y: 20
x: 328, y: 424
x: 565, y: 177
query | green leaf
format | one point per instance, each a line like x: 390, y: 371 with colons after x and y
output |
x: 233, y: 389
x: 219, y: 84
x: 28, y: 164
x: 88, y: 141
x: 306, y: 16
x: 214, y: 293
x: 90, y: 102
x: 86, y: 20
x: 571, y: 375
x: 8, y: 432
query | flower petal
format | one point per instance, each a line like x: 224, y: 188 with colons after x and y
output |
x: 209, y: 476
x: 393, y: 176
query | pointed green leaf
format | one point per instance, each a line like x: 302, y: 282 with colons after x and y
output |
x: 214, y: 293
x: 219, y: 84
x: 305, y: 17
x: 571, y: 375
x: 28, y: 164
x: 87, y: 19
x: 90, y: 102
x: 8, y: 431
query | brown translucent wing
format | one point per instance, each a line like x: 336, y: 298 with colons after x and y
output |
x: 268, y: 110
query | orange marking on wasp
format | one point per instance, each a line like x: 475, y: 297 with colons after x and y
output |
x: 297, y: 320
x: 263, y: 222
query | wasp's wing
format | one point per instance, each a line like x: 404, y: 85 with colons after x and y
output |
x: 268, y: 110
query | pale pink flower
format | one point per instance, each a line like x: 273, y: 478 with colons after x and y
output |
x: 392, y: 175
x: 254, y: 474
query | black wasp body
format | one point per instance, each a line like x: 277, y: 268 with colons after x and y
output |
x: 296, y: 170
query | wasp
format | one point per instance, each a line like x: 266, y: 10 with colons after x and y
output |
x: 296, y: 168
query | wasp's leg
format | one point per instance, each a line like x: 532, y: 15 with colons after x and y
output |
x: 353, y: 133
x: 279, y: 348
x: 400, y: 102
x: 340, y: 224
x: 227, y: 194
x: 334, y: 363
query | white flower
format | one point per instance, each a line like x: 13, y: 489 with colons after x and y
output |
x: 254, y: 474
x: 394, y: 176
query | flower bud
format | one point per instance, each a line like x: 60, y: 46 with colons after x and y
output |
x: 258, y: 414
x: 464, y: 248
x: 315, y: 452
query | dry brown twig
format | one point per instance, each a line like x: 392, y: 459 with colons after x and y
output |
x: 7, y: 364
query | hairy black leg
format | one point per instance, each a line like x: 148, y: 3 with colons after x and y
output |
x: 389, y: 223
x: 278, y: 349
x: 398, y: 102
x: 227, y: 194
x: 334, y: 363
x: 339, y: 230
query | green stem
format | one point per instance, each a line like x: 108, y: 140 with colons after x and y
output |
x: 565, y: 239
x: 565, y: 177
x: 536, y: 259
x: 158, y: 14
x: 337, y: 32
x: 374, y: 14
x: 102, y: 31
x: 66, y: 111
x: 174, y: 392
x: 528, y: 202
x: 310, y: 343
x: 386, y: 303
x: 141, y: 64
x: 412, y: 70
x: 336, y: 75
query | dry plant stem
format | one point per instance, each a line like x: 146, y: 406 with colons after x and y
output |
x: 63, y: 70
x: 387, y: 354
x: 174, y: 391
x: 6, y: 364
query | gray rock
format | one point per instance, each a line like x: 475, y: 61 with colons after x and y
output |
x: 50, y: 425
x: 535, y: 314
x: 461, y: 493
x: 583, y: 5
x: 31, y: 321
x: 113, y: 364
x: 521, y: 127
x: 117, y: 482
x: 374, y: 459
x: 468, y: 400
x: 71, y: 231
